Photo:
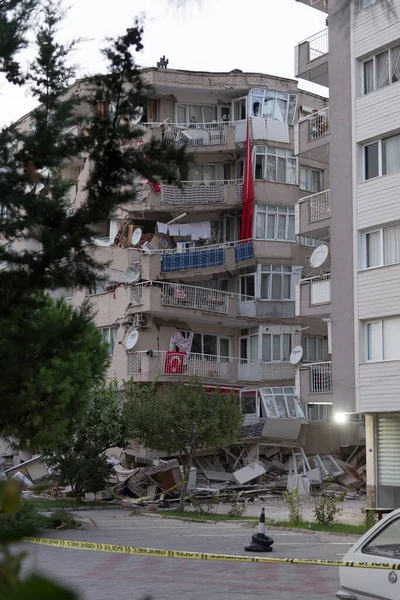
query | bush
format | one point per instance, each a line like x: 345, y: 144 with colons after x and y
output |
x: 293, y: 502
x: 238, y: 507
x: 25, y: 521
x: 326, y: 505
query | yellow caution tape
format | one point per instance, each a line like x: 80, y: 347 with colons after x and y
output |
x: 96, y: 547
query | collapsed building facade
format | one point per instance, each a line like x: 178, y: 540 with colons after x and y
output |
x: 187, y: 294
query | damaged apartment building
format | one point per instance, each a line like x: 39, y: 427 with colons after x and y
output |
x: 187, y: 294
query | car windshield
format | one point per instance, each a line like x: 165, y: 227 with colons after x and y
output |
x: 386, y: 542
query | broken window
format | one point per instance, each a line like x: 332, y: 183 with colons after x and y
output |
x: 280, y: 402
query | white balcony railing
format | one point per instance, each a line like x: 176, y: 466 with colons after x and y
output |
x: 265, y: 371
x: 190, y: 296
x: 208, y: 366
x: 200, y: 192
x: 318, y: 44
x: 320, y: 377
x: 192, y: 134
x: 320, y: 289
x: 319, y: 206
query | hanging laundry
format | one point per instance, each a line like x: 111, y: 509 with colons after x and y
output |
x: 162, y: 228
x: 195, y: 231
x: 184, y: 343
x: 173, y: 230
x: 185, y: 229
x: 204, y: 230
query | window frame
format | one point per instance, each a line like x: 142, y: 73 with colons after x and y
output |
x: 110, y: 342
x: 376, y: 536
x: 319, y: 358
x: 271, y: 270
x: 273, y: 334
x: 311, y: 170
x: 218, y: 108
x: 364, y: 245
x: 268, y: 210
x: 266, y: 151
x: 380, y: 161
x: 280, y: 391
x: 261, y: 93
x: 360, y: 7
x: 218, y: 340
x: 373, y: 57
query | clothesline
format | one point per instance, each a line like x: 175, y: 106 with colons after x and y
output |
x: 200, y: 230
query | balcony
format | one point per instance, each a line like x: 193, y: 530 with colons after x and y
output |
x: 177, y: 365
x: 313, y: 214
x: 311, y: 58
x: 314, y: 383
x: 212, y: 259
x: 311, y: 136
x: 314, y: 296
x: 206, y: 137
x: 198, y: 195
x: 321, y: 5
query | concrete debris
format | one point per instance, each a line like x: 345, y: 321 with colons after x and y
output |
x: 250, y: 472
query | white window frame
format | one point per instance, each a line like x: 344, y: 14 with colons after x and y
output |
x: 288, y: 393
x: 309, y: 242
x: 373, y: 58
x: 379, y: 322
x: 242, y: 394
x: 380, y: 162
x: 266, y: 151
x: 381, y: 231
x: 361, y: 7
x: 109, y: 341
x: 309, y: 171
x: 219, y: 338
x: 319, y: 357
x: 252, y: 332
x: 277, y: 270
x: 322, y: 411
x: 261, y: 93
x: 276, y: 211
x: 273, y: 334
x: 218, y: 107
x: 246, y: 99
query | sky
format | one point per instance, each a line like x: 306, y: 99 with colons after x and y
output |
x: 209, y: 35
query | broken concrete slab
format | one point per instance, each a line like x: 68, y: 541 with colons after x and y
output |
x: 250, y: 472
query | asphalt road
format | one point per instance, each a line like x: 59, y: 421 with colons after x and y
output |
x: 98, y: 575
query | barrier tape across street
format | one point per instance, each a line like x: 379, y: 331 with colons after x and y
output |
x: 96, y: 547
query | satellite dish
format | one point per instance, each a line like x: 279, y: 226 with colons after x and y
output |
x: 136, y: 235
x: 132, y: 339
x: 296, y: 355
x: 319, y: 256
x: 137, y: 115
x: 132, y: 274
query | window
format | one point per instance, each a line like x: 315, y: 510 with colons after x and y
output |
x: 99, y: 287
x: 199, y: 113
x: 273, y: 105
x: 382, y: 247
x: 316, y: 412
x: 32, y: 127
x: 382, y: 339
x: 381, y: 70
x: 382, y: 157
x: 109, y: 335
x: 250, y: 403
x: 276, y: 282
x: 247, y: 285
x: 249, y: 344
x: 365, y: 3
x: 275, y: 223
x: 387, y: 541
x: 276, y: 347
x: 4, y: 263
x: 275, y: 164
x: 280, y: 402
x: 239, y: 109
x: 314, y: 349
x: 210, y: 345
x: 4, y: 212
x: 310, y: 180
x: 310, y: 242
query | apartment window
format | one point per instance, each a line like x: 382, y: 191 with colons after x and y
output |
x: 273, y: 105
x: 275, y: 223
x: 382, y: 339
x: 314, y: 349
x: 240, y: 109
x: 276, y: 282
x: 249, y: 344
x: 316, y: 412
x: 276, y: 347
x: 99, y: 287
x: 382, y: 157
x: 32, y: 127
x: 206, y: 345
x: 201, y: 113
x: 381, y: 70
x: 280, y: 402
x: 310, y: 180
x: 382, y: 247
x: 365, y: 3
x: 275, y: 164
x: 309, y: 242
x: 109, y: 336
x: 247, y: 285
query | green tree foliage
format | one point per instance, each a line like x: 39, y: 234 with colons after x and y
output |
x: 81, y: 463
x: 181, y: 418
x: 57, y: 355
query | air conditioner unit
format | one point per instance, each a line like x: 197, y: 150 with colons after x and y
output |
x: 184, y: 246
x: 143, y: 321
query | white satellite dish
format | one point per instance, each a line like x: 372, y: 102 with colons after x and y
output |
x: 296, y: 355
x: 132, y: 339
x: 136, y: 235
x: 132, y: 274
x: 137, y: 115
x: 319, y: 256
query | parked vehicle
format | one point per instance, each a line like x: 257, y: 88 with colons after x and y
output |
x: 381, y: 544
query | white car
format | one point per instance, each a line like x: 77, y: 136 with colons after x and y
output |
x: 381, y: 544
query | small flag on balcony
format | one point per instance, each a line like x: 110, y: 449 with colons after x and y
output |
x: 246, y: 230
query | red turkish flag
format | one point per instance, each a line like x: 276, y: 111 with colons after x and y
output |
x: 174, y: 362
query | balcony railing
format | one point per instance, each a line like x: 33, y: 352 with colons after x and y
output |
x: 319, y: 206
x: 320, y: 289
x: 318, y: 44
x: 200, y: 192
x: 320, y: 377
x: 192, y: 134
x: 202, y: 257
x: 208, y: 366
x: 318, y: 124
x: 244, y: 250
